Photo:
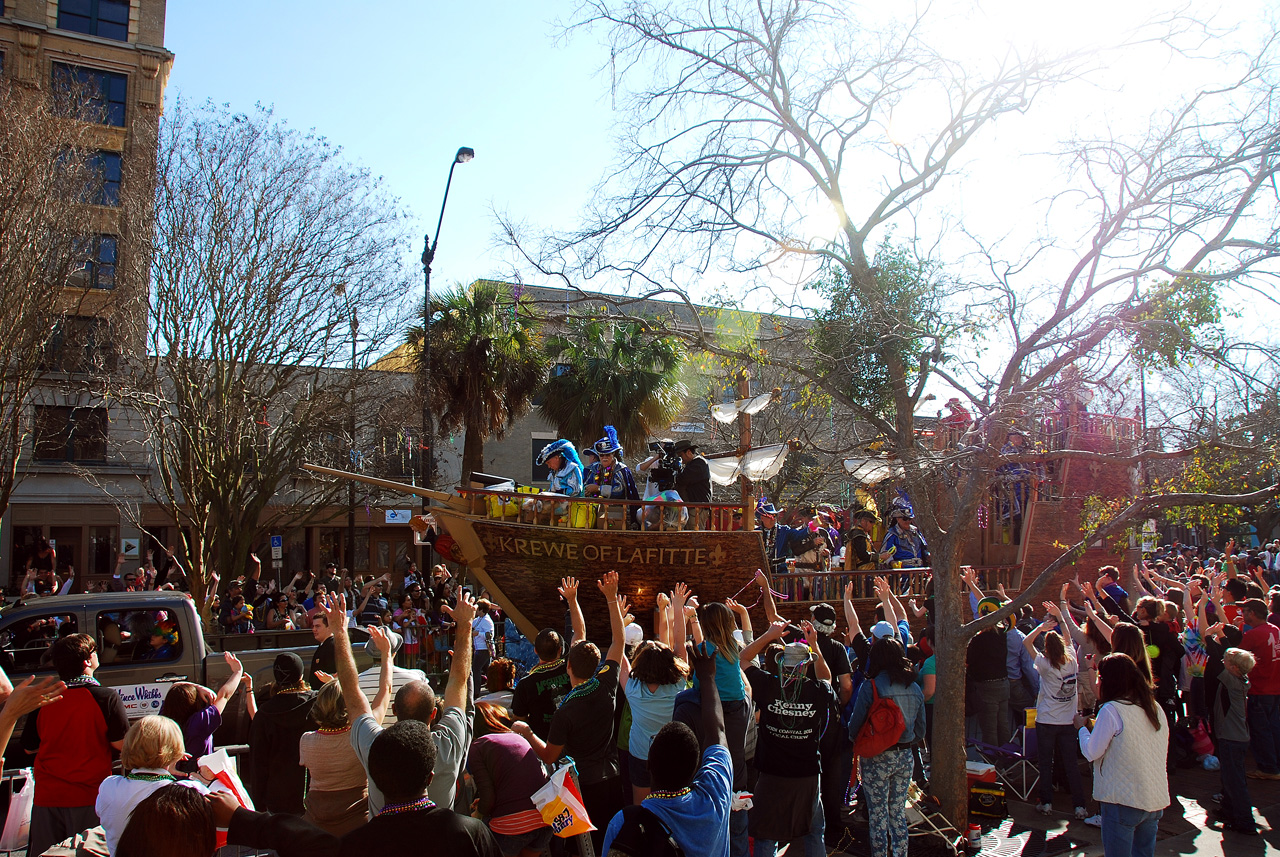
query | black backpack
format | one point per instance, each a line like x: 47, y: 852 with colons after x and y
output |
x: 644, y: 835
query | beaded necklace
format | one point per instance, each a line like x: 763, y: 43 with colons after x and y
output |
x: 411, y: 806
x: 82, y: 681
x: 604, y: 474
x: 150, y: 778
x: 324, y: 731
x: 679, y: 793
x: 542, y: 668
x: 581, y: 690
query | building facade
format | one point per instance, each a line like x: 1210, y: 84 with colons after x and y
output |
x: 111, y: 51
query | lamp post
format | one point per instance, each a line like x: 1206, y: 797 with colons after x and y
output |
x: 351, y: 484
x: 426, y: 447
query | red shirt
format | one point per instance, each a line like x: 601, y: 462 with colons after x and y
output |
x: 1263, y: 642
x: 72, y: 739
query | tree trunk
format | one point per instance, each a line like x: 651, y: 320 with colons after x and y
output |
x: 947, y: 780
x: 472, y: 452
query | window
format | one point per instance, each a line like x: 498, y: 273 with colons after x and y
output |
x: 108, y: 19
x: 70, y: 434
x: 80, y: 344
x: 101, y: 92
x: 104, y: 189
x: 541, y: 473
x: 131, y: 636
x: 95, y: 266
x: 102, y: 550
x: 25, y: 642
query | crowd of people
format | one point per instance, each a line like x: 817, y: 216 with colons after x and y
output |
x: 708, y: 736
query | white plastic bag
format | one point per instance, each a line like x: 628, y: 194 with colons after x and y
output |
x: 18, y: 824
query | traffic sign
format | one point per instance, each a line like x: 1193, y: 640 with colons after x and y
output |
x: 277, y: 541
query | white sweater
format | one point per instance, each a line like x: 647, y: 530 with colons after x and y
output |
x: 1128, y: 757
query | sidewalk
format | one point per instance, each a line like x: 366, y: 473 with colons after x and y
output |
x: 1185, y: 829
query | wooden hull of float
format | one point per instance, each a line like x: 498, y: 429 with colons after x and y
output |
x: 521, y: 565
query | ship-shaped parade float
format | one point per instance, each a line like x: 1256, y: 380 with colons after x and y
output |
x: 716, y: 548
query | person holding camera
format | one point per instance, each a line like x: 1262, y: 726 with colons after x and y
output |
x: 661, y: 469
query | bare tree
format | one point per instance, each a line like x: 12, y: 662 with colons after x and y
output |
x: 46, y: 179
x: 747, y: 113
x: 276, y: 277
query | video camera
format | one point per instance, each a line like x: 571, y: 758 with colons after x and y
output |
x: 668, y: 465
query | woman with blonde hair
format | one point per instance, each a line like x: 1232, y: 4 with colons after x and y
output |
x: 337, y: 798
x: 152, y: 749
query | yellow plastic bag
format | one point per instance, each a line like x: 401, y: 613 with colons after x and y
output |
x: 583, y: 515
x: 561, y: 805
x: 500, y: 507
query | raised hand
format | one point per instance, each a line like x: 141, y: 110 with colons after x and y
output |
x: 1062, y: 596
x: 465, y: 610
x: 233, y: 662
x: 703, y: 662
x: 380, y: 639
x: 335, y: 610
x: 810, y: 635
x: 28, y: 695
x: 568, y: 588
x: 848, y: 591
x: 740, y: 609
x: 776, y: 631
x: 1053, y: 610
x: 609, y: 585
x: 680, y: 595
x: 663, y: 600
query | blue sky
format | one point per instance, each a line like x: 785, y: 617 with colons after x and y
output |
x: 401, y: 84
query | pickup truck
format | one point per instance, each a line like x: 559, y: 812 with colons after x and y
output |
x: 121, y: 624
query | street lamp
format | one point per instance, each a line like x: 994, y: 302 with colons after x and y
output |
x: 426, y: 459
x: 352, y: 458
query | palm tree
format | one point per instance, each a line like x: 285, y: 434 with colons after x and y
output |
x: 487, y: 362
x: 617, y: 373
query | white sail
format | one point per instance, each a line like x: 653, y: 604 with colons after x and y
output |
x: 759, y: 463
x: 728, y: 412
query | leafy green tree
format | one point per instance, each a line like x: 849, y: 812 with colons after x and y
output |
x: 486, y: 362
x: 858, y: 334
x: 616, y: 372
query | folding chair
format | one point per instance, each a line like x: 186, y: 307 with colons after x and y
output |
x: 1016, y: 762
x: 925, y: 818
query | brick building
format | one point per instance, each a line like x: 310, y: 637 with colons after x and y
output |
x: 113, y: 51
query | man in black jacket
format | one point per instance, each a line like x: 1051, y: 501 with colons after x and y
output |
x: 694, y: 479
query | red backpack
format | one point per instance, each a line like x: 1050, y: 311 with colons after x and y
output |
x: 883, y: 727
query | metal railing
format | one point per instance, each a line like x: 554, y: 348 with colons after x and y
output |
x: 811, y: 587
x: 601, y: 513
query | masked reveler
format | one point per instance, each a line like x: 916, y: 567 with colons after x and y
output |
x: 610, y: 478
x: 561, y: 459
x: 903, y: 543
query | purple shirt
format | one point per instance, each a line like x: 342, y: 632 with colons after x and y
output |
x: 198, y: 733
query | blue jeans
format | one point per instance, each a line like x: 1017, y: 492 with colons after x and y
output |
x: 1063, y: 739
x: 739, y: 840
x: 1236, y: 804
x: 1128, y: 831
x: 885, y: 779
x: 813, y: 844
x: 1264, y: 731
